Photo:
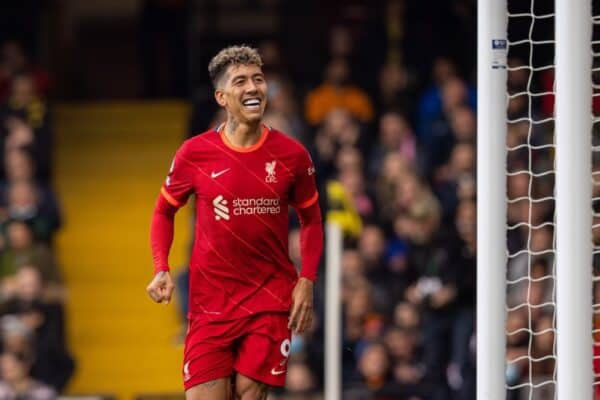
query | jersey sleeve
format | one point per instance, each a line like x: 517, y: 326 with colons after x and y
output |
x: 179, y: 183
x: 304, y: 191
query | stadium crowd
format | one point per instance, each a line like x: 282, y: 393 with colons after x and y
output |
x: 34, y: 361
x: 396, y: 168
x: 395, y: 151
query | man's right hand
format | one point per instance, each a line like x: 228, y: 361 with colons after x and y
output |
x: 161, y: 287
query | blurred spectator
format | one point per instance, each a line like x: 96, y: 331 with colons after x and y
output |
x: 300, y: 382
x: 374, y: 366
x: 338, y: 130
x: 437, y: 136
x: 341, y: 43
x: 406, y: 369
x: 518, y: 106
x: 336, y: 91
x: 282, y: 109
x: 17, y: 334
x: 13, y: 61
x: 395, y: 136
x: 417, y: 210
x: 354, y: 184
x: 44, y: 319
x: 393, y: 170
x: 430, y: 103
x: 26, y: 123
x: 386, y: 286
x: 518, y: 77
x: 23, y: 250
x: 463, y: 124
x: 406, y: 316
x: 353, y: 269
x: 455, y: 181
x: 396, y: 89
x: 517, y: 336
x: 25, y: 203
x: 44, y: 210
x: 17, y: 383
x: 372, y: 246
x: 270, y: 53
x: 541, y: 244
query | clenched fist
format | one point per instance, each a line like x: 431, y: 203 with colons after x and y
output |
x: 161, y: 287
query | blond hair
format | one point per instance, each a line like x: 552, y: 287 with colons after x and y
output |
x: 232, y: 55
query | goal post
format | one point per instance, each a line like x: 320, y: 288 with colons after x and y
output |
x: 491, y: 199
x: 573, y: 199
x: 556, y: 43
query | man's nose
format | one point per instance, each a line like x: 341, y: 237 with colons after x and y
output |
x: 251, y: 86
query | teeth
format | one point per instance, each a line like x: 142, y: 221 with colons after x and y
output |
x: 252, y: 102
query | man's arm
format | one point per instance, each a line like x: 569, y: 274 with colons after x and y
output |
x: 311, y: 248
x: 161, y: 233
x: 161, y: 238
x: 173, y: 195
x: 311, y: 240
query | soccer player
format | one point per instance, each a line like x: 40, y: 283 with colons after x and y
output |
x: 245, y: 294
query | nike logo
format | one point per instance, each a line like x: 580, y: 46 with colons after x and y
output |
x: 277, y: 372
x: 216, y: 174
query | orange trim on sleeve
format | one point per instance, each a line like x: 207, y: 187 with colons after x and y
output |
x: 255, y: 146
x: 170, y: 198
x: 308, y: 202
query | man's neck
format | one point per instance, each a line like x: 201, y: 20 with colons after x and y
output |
x: 242, y: 134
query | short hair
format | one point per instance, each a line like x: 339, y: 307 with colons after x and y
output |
x: 232, y: 55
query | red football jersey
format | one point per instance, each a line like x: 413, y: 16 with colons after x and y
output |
x: 240, y: 264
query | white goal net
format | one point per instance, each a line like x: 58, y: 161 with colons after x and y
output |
x: 531, y: 146
x: 531, y: 294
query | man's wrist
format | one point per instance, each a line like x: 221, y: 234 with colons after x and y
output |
x: 309, y: 279
x: 161, y: 269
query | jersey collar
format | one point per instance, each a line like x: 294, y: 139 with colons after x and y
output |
x: 263, y: 137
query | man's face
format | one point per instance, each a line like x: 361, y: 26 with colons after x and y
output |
x: 242, y: 91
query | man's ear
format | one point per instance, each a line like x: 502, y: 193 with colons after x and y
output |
x: 220, y: 97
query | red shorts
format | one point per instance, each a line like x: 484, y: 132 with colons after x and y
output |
x: 257, y: 347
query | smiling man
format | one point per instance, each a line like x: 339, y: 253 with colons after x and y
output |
x: 245, y: 294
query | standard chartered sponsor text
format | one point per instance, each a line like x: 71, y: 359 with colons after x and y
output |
x: 256, y: 206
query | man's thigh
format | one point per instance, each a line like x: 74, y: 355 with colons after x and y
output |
x: 249, y: 389
x: 263, y: 350
x: 217, y: 389
x: 209, y: 354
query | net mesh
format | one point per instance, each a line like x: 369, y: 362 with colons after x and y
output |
x: 531, y: 291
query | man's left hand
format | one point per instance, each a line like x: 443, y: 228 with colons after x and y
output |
x: 301, y: 314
